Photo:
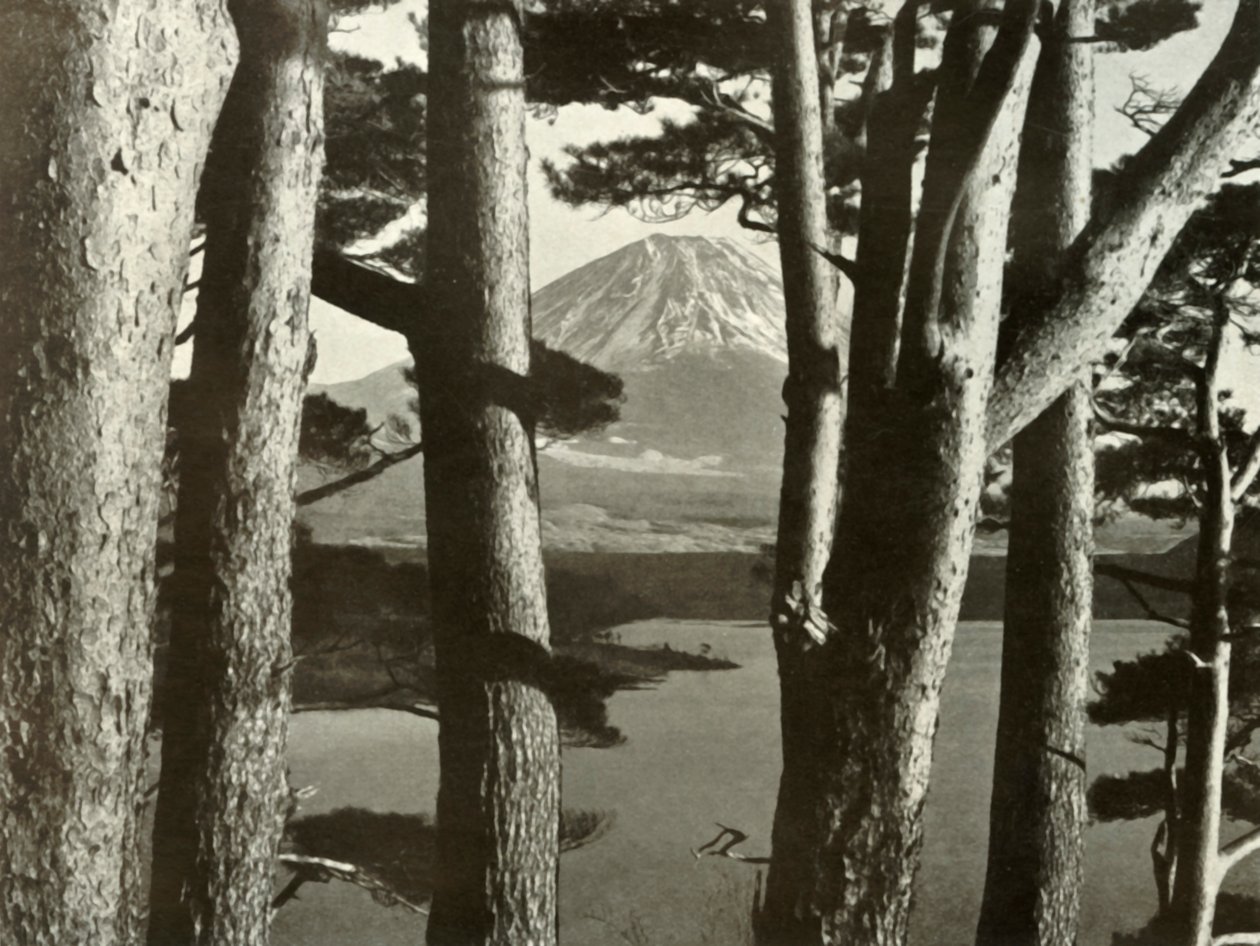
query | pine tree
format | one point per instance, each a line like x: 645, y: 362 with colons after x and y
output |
x: 1037, y: 812
x: 224, y: 702
x: 108, y: 110
x: 499, y: 792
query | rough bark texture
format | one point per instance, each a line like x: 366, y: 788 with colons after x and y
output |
x: 107, y: 111
x: 811, y: 455
x: 786, y: 914
x: 1116, y: 258
x: 1199, y: 872
x: 915, y: 456
x: 1037, y: 812
x: 225, y: 699
x: 498, y: 798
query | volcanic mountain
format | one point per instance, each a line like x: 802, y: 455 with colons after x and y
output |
x: 649, y: 303
x: 694, y: 326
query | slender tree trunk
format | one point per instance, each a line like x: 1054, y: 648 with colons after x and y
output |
x: 1207, y: 720
x: 107, y: 111
x: 225, y: 697
x: 498, y: 797
x: 811, y: 454
x: 812, y: 391
x: 1037, y: 813
x: 914, y: 463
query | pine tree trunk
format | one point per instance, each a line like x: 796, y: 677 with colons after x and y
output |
x: 225, y: 698
x: 498, y: 796
x: 914, y: 461
x: 811, y: 455
x: 1037, y: 812
x: 107, y: 111
x: 1207, y: 719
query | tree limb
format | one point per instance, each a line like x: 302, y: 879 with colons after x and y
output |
x: 316, y: 493
x: 1238, y: 849
x: 1245, y: 475
x: 1150, y: 610
x: 1116, y: 258
x: 1237, y: 167
x: 1125, y: 574
x: 370, y: 294
x: 322, y: 869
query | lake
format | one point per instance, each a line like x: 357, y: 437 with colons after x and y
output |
x: 703, y: 748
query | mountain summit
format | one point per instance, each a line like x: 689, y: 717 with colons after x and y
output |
x: 650, y: 302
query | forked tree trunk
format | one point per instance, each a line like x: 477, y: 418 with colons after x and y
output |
x: 1037, y: 812
x: 107, y: 111
x: 914, y: 459
x: 811, y: 454
x: 913, y: 470
x: 1199, y: 873
x: 498, y: 796
x: 787, y: 914
x: 225, y: 698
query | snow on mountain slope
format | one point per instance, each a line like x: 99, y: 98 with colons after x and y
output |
x: 647, y: 303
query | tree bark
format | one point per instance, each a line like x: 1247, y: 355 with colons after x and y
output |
x: 225, y: 698
x: 914, y: 460
x: 107, y: 110
x: 1115, y: 259
x: 1037, y: 812
x: 498, y: 796
x: 811, y: 455
x: 812, y: 391
x: 1198, y: 878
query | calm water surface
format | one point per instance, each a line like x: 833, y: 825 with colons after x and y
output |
x: 703, y: 748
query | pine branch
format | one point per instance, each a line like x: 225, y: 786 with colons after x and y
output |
x: 1237, y: 167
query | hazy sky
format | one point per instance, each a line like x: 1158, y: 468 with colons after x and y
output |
x: 563, y: 239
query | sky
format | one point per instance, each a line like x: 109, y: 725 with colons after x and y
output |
x: 563, y: 238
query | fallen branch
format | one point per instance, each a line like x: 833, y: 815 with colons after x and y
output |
x: 322, y: 869
x: 737, y: 838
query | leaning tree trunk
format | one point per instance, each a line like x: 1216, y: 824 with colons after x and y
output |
x: 1037, y: 812
x: 914, y: 461
x: 498, y: 796
x: 1199, y: 872
x: 225, y: 696
x: 107, y: 111
x: 811, y: 454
